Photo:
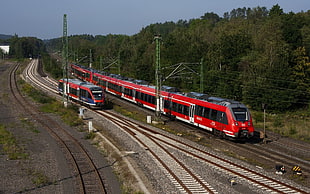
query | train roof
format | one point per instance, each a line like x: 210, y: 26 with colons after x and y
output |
x: 81, y: 83
x: 211, y: 99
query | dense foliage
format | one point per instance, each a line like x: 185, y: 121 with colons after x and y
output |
x: 253, y: 55
x: 26, y: 47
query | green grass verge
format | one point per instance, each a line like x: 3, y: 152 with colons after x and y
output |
x: 10, y: 145
x: 51, y: 105
x: 289, y: 124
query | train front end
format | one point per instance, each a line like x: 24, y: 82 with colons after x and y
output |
x: 98, y: 97
x: 242, y: 125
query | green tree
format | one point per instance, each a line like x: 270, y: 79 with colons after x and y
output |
x: 301, y: 75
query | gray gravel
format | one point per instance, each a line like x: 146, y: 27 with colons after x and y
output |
x: 45, y: 169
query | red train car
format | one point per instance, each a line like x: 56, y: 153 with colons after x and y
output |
x: 81, y: 72
x: 224, y: 117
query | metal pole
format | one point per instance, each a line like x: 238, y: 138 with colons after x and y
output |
x: 90, y: 59
x: 264, y: 107
x: 157, y: 39
x: 65, y: 58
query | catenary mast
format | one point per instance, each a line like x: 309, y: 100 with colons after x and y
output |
x: 65, y: 58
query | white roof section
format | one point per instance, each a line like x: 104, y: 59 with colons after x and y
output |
x: 6, y: 49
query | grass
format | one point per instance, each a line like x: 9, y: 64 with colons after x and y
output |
x: 38, y: 178
x: 36, y: 95
x: 10, y: 145
x: 289, y: 124
x: 29, y: 125
x: 90, y: 135
x: 49, y: 105
x: 69, y: 115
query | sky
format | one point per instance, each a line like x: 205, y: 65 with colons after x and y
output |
x: 44, y: 18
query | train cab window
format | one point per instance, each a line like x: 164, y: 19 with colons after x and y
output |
x: 97, y: 95
x: 241, y: 114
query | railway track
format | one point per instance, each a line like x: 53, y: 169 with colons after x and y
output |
x: 185, y: 179
x: 153, y: 141
x: 87, y: 175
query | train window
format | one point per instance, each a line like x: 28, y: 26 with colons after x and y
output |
x: 198, y: 110
x: 153, y: 100
x: 185, y: 110
x: 84, y: 93
x: 167, y: 104
x: 138, y: 95
x: 174, y: 106
x: 206, y: 112
x: 222, y: 118
x: 128, y: 91
x: 149, y: 98
x: 180, y: 108
x: 95, y: 78
x: 61, y: 85
x: 73, y: 91
x: 213, y: 114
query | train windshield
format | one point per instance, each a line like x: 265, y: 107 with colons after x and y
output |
x: 241, y: 114
x: 97, y: 94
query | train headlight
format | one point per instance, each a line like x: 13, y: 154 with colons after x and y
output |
x: 236, y: 123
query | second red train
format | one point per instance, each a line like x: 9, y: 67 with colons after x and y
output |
x: 222, y: 116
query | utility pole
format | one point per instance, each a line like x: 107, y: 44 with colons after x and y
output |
x: 157, y: 39
x: 65, y: 58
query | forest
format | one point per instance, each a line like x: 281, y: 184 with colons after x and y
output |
x: 253, y: 55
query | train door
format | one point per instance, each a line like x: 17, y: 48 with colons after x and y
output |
x: 191, y: 113
x: 161, y: 105
x: 222, y: 121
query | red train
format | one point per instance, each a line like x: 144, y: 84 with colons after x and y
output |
x: 221, y: 116
x: 83, y: 92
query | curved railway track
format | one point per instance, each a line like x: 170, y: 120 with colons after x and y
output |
x: 87, y: 176
x: 183, y: 176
